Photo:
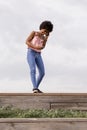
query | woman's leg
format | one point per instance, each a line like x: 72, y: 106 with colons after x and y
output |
x: 41, y: 70
x: 31, y: 62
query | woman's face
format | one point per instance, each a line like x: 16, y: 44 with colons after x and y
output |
x: 44, y: 31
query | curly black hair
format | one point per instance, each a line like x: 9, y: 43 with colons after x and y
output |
x: 46, y: 25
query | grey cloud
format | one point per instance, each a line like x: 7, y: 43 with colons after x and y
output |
x: 63, y: 59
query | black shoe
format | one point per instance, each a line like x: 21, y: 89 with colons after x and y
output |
x: 37, y: 91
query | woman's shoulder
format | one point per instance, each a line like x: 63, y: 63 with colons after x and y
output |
x: 36, y: 33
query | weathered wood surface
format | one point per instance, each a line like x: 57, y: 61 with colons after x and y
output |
x: 45, y: 100
x: 43, y: 124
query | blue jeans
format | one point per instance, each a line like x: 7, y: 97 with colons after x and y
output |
x: 35, y: 60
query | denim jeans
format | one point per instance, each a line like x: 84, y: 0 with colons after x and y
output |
x: 35, y: 60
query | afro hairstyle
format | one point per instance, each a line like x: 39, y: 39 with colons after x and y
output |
x: 46, y: 25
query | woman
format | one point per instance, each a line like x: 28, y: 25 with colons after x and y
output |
x: 36, y: 42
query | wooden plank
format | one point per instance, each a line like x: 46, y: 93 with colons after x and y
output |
x: 74, y: 106
x: 43, y: 94
x: 43, y: 124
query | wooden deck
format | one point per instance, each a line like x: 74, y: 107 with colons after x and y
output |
x: 43, y: 124
x: 45, y: 100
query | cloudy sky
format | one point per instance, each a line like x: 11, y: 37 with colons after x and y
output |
x: 65, y: 55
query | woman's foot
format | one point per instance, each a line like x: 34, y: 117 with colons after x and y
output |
x: 37, y: 91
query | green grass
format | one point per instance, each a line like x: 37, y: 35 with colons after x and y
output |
x: 10, y: 112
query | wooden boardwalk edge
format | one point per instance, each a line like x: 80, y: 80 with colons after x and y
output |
x: 43, y: 94
x: 76, y: 101
x: 41, y: 120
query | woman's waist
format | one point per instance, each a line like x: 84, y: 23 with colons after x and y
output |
x: 35, y: 50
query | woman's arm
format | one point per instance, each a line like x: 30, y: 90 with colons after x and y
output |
x: 30, y: 37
